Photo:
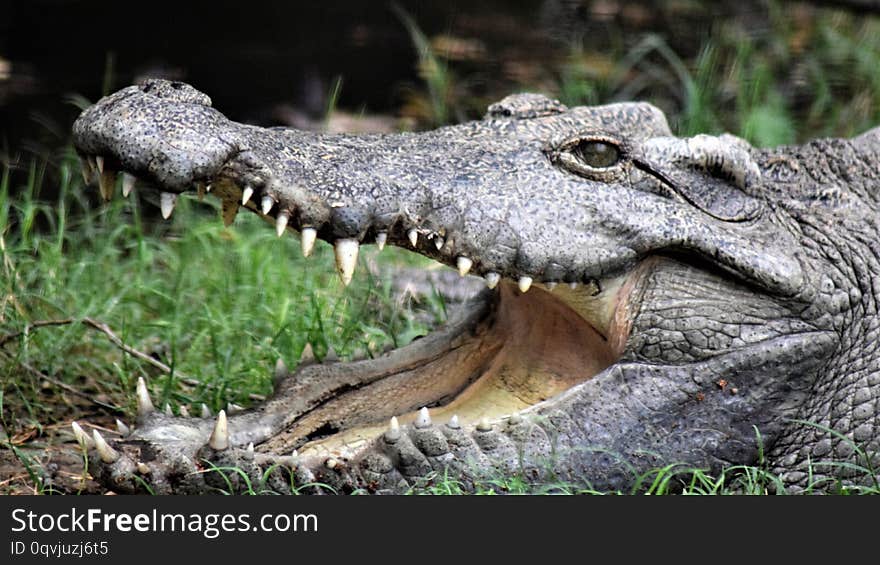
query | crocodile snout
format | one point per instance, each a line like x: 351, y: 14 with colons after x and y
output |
x: 174, y: 91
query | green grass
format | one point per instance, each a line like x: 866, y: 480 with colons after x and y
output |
x: 217, y: 305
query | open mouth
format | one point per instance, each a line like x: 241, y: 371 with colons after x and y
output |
x: 510, y: 348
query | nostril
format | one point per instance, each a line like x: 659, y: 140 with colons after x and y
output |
x: 175, y: 91
x: 177, y: 85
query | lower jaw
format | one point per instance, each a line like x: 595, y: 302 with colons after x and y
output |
x: 529, y: 347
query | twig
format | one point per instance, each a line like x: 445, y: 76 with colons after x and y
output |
x: 40, y: 374
x: 115, y: 339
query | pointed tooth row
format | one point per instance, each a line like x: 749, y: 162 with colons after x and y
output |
x: 107, y: 453
x: 85, y: 442
x: 167, y: 201
x: 266, y: 204
x: 144, y: 404
x: 219, y: 439
x: 307, y: 241
x: 246, y: 194
x: 346, y: 258
x: 423, y: 420
x: 128, y: 182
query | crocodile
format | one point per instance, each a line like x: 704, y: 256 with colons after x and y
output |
x: 650, y: 299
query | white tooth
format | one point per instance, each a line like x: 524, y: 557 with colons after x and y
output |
x: 484, y: 425
x: 413, y: 236
x: 127, y: 183
x: 281, y: 222
x: 514, y: 420
x: 393, y: 433
x: 184, y: 411
x: 233, y: 408
x: 294, y: 453
x: 308, y: 354
x: 346, y: 258
x: 454, y: 423
x: 573, y: 285
x: 166, y: 202
x: 550, y: 286
x: 144, y: 404
x: 266, y: 204
x: 423, y: 420
x: 246, y: 194
x: 143, y: 469
x: 107, y: 453
x: 219, y: 439
x: 81, y: 436
x: 492, y: 279
x: 250, y: 451
x: 208, y: 187
x: 464, y: 265
x: 307, y: 240
x: 381, y: 238
x: 524, y: 284
x: 122, y: 428
x: 438, y: 242
x: 206, y: 412
x: 99, y: 161
x: 331, y: 463
x: 168, y: 411
x: 331, y: 356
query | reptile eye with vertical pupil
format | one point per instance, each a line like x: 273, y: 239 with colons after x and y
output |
x: 597, y: 154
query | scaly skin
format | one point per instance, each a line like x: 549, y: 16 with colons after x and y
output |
x: 719, y: 289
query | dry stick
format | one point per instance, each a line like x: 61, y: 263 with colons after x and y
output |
x: 40, y: 374
x: 105, y: 329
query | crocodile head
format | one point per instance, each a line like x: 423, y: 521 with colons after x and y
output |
x: 650, y: 298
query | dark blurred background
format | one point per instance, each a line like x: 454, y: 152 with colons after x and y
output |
x: 417, y: 63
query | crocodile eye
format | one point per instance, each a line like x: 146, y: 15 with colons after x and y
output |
x: 597, y: 154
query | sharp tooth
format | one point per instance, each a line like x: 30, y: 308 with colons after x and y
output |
x: 99, y: 162
x: 307, y: 240
x: 280, y: 370
x: 454, y: 423
x: 484, y: 425
x: 206, y: 412
x: 514, y: 420
x: 107, y: 184
x: 573, y: 285
x: 168, y: 411
x: 524, y: 284
x: 144, y: 404
x: 167, y: 201
x: 127, y: 184
x: 122, y: 428
x: 246, y: 194
x: 423, y: 420
x: 281, y: 222
x: 184, y: 411
x: 219, y: 439
x: 107, y: 453
x: 346, y: 258
x: 393, y: 433
x: 464, y: 265
x: 233, y: 408
x: 266, y: 204
x: 381, y: 238
x: 249, y: 452
x: 331, y: 463
x: 331, y: 356
x: 413, y: 236
x: 438, y: 242
x: 143, y: 468
x: 228, y: 210
x: 308, y: 354
x: 492, y: 279
x: 81, y: 436
x: 550, y: 286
